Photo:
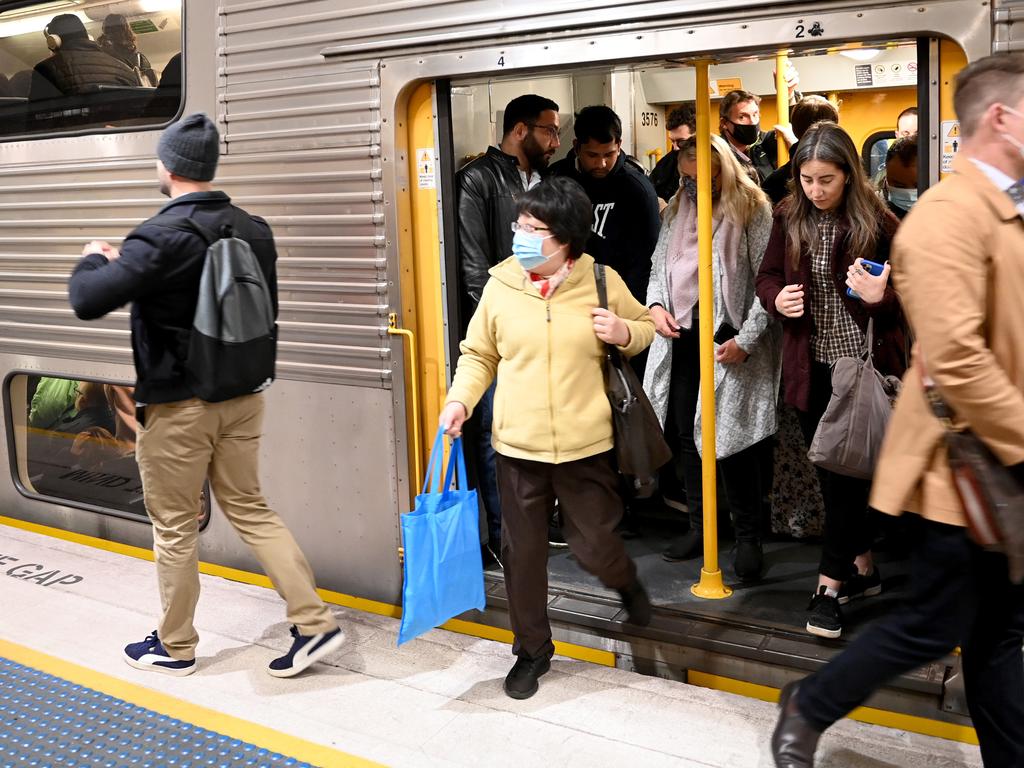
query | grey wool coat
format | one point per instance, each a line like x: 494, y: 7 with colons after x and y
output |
x: 746, y: 394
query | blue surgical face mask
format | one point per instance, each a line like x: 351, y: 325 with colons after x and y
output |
x: 526, y: 247
x: 902, y: 198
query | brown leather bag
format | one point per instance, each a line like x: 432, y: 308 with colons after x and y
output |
x: 991, y: 497
x: 640, y: 447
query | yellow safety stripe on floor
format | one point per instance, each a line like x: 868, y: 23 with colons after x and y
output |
x: 483, y: 631
x: 209, y: 719
x: 897, y: 720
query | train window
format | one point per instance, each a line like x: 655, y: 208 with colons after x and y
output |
x: 73, y: 441
x: 874, y: 149
x: 72, y: 66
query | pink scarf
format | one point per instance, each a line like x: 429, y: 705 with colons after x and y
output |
x: 682, y: 264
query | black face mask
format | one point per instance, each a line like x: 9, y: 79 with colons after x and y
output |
x: 744, y: 133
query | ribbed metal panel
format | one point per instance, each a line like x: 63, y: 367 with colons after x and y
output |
x: 324, y: 207
x: 1007, y: 26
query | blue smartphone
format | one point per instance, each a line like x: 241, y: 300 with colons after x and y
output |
x: 873, y: 268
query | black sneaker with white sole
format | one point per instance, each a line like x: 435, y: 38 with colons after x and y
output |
x: 305, y: 650
x: 861, y: 585
x: 150, y: 656
x: 824, y: 617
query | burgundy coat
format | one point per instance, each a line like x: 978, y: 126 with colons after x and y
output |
x: 777, y: 272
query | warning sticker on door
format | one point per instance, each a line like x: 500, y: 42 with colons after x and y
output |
x: 425, y: 168
x: 951, y: 140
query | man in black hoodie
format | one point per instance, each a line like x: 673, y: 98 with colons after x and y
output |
x: 77, y: 62
x: 626, y: 220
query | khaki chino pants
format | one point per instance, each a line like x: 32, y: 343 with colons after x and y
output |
x: 180, y: 445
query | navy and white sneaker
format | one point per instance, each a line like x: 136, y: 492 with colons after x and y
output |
x: 306, y: 649
x: 151, y: 656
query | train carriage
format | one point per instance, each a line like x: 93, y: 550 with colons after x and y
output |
x: 343, y: 123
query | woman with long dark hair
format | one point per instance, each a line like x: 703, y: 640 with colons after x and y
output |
x: 821, y: 234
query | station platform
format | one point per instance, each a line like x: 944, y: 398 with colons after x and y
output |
x: 68, y: 609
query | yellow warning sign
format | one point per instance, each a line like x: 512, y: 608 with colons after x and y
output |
x: 723, y: 85
x: 425, y: 156
x: 954, y: 130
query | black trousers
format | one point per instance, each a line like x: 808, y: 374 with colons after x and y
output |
x: 588, y: 497
x: 849, y: 525
x: 959, y: 595
x: 741, y: 472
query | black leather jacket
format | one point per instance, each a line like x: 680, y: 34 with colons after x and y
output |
x: 485, y: 191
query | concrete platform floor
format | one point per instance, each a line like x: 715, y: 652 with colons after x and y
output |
x: 436, y: 702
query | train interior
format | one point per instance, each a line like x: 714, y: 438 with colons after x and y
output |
x: 143, y: 35
x: 760, y: 623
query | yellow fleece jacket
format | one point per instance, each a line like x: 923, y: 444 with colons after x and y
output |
x: 550, y: 403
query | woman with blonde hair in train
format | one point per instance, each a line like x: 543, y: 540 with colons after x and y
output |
x: 821, y: 233
x: 747, y: 346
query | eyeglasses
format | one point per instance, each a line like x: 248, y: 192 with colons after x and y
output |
x: 528, y: 228
x: 552, y: 130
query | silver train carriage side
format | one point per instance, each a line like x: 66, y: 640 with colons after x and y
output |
x: 343, y: 122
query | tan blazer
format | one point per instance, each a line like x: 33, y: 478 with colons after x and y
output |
x: 958, y: 262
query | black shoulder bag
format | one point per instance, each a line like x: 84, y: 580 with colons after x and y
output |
x: 640, y: 447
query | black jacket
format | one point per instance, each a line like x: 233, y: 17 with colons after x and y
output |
x: 76, y: 65
x: 776, y: 186
x: 159, y: 272
x: 665, y: 176
x: 485, y: 192
x: 626, y: 220
x: 763, y: 155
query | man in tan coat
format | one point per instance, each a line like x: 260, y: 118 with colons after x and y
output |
x: 959, y: 268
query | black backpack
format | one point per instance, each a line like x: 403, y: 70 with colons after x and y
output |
x: 233, y: 341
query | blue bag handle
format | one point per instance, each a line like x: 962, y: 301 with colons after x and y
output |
x: 434, y: 466
x: 456, y: 461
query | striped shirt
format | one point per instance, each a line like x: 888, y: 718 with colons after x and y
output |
x: 835, y: 333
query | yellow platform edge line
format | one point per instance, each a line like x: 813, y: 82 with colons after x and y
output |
x: 902, y: 722
x: 235, y: 728
x: 569, y: 650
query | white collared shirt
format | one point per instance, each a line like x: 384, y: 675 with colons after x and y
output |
x: 531, y: 181
x: 1003, y: 182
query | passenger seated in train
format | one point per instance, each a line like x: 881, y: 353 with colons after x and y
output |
x: 90, y: 411
x: 167, y: 97
x: 899, y: 190
x: 52, y: 399
x: 747, y: 352
x: 626, y: 211
x: 681, y: 124
x: 119, y: 40
x: 76, y: 63
x: 552, y: 428
x: 821, y: 232
x: 808, y: 111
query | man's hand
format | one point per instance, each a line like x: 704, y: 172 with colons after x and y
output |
x: 103, y: 247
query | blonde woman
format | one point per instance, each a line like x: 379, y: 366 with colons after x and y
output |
x: 747, y: 346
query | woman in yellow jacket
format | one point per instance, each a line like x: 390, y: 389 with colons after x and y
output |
x: 539, y: 331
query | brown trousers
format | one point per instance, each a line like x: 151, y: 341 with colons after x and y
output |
x: 179, y: 444
x: 588, y: 497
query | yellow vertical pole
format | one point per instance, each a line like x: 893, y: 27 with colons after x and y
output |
x: 782, y: 103
x: 711, y: 585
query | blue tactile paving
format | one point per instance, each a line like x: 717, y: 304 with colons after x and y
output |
x: 47, y: 722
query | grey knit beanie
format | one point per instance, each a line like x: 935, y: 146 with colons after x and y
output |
x: 190, y: 148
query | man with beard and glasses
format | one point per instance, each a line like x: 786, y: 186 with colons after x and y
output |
x: 486, y: 191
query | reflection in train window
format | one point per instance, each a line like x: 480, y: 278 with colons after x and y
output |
x: 874, y: 151
x: 70, y: 65
x: 74, y: 441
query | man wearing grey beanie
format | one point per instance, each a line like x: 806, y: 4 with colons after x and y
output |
x: 182, y: 437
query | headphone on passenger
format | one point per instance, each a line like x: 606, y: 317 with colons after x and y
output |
x: 53, y: 42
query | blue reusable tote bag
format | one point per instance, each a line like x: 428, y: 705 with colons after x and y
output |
x: 444, y: 571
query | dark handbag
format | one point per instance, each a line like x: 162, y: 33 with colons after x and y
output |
x: 640, y: 447
x: 992, y: 498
